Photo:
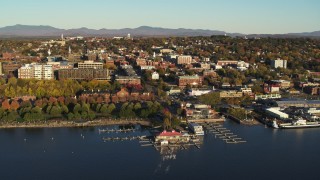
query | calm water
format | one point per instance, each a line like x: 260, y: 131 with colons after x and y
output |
x: 74, y: 153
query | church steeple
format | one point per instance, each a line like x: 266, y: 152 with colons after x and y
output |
x: 49, y: 52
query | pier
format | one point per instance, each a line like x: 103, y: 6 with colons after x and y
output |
x: 222, y: 133
x: 116, y: 130
x: 123, y: 138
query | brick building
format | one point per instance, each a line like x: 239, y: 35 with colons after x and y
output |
x: 191, y: 80
x: 84, y: 74
x: 184, y: 60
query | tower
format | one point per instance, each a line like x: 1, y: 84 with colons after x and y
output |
x: 69, y: 50
x: 62, y: 38
x: 128, y: 36
x: 49, y: 52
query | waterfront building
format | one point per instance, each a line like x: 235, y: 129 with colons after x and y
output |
x: 171, y: 137
x: 199, y: 111
x: 299, y: 103
x: 275, y: 112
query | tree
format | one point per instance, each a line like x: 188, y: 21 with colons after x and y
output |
x: 55, y: 111
x: 111, y: 108
x: 91, y: 115
x: 6, y: 105
x: 14, y: 105
x: 64, y: 109
x: 137, y: 106
x: 166, y: 123
x: 104, y: 109
x: 70, y: 116
x: 212, y: 98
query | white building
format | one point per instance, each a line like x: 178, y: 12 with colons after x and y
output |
x: 90, y: 65
x: 242, y: 66
x: 275, y: 112
x: 155, y: 76
x: 36, y: 71
x: 199, y: 92
x: 279, y: 63
x: 146, y: 67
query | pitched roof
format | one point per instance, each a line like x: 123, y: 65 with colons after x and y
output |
x: 169, y: 133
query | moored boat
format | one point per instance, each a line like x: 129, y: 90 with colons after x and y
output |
x: 300, y: 123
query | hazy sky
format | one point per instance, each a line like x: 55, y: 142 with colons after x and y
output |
x: 244, y: 16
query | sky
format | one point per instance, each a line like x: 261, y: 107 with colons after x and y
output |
x: 242, y: 16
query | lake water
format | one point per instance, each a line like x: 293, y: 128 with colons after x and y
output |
x: 80, y: 153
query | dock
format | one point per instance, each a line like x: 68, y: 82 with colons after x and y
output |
x: 222, y: 133
x: 116, y: 130
x: 123, y: 138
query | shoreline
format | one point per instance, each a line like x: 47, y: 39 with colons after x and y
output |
x: 70, y: 124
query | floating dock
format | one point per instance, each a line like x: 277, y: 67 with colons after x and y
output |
x: 222, y: 133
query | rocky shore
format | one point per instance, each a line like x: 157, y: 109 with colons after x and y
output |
x: 63, y: 123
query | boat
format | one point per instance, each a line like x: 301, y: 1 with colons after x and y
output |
x: 196, y: 129
x: 300, y: 123
x: 275, y: 124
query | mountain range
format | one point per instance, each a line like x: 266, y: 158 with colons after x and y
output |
x: 142, y: 31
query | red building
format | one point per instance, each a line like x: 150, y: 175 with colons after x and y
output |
x: 191, y: 80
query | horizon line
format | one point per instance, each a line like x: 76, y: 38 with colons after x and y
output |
x: 206, y: 29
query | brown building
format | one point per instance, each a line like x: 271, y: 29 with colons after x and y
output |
x: 90, y: 65
x: 226, y: 63
x: 135, y: 80
x: 8, y: 56
x: 74, y: 58
x: 312, y: 90
x: 191, y: 80
x: 122, y: 96
x: 209, y: 72
x: 141, y: 62
x: 184, y: 60
x: 10, y: 68
x: 230, y: 94
x: 84, y: 74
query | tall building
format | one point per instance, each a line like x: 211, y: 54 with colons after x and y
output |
x: 36, y: 71
x: 1, y: 68
x: 279, y: 63
x: 184, y: 60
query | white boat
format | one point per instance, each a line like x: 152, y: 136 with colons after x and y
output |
x: 300, y: 123
x: 275, y: 124
x: 196, y: 129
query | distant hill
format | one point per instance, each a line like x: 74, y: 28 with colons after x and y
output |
x: 49, y: 31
